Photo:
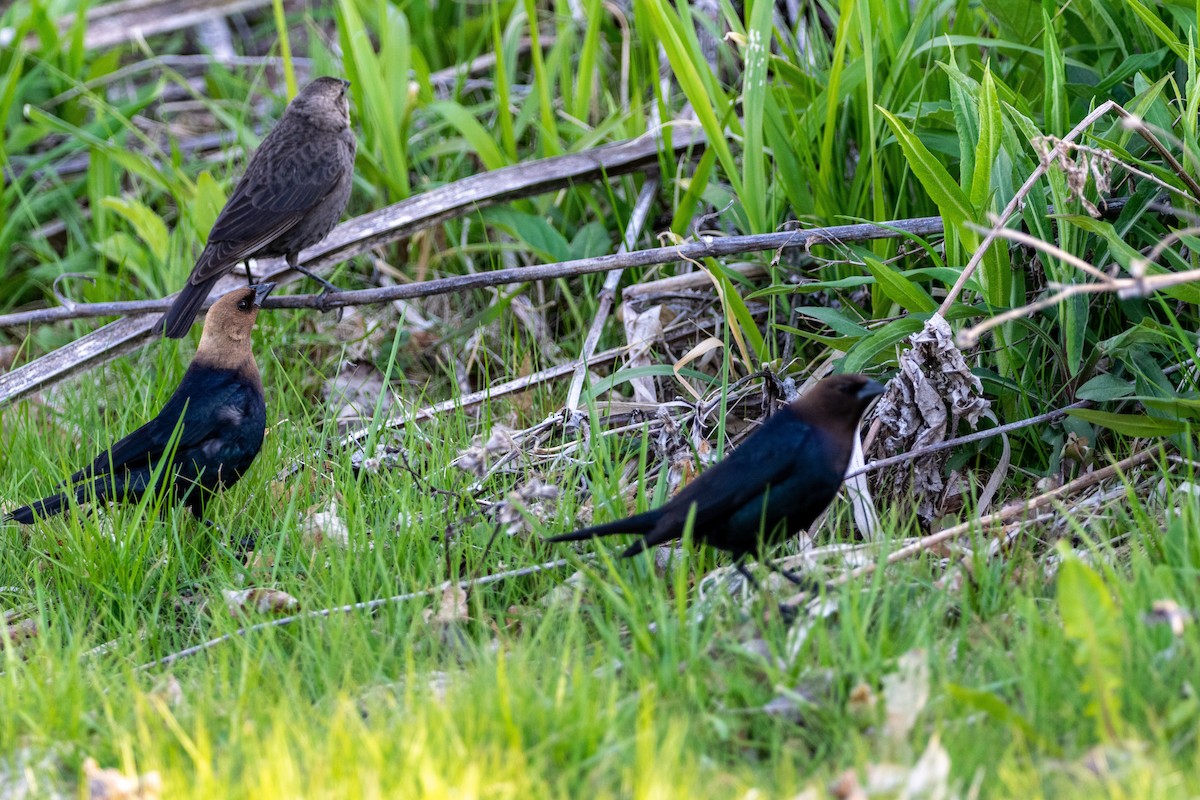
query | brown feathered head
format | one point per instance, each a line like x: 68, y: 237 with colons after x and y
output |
x: 838, y: 402
x: 323, y: 104
x: 225, y: 342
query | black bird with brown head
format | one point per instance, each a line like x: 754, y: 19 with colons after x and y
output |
x: 772, y: 486
x: 292, y: 194
x: 220, y: 413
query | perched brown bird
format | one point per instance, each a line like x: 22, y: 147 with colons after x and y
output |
x: 292, y: 194
x: 218, y: 410
x: 774, y: 485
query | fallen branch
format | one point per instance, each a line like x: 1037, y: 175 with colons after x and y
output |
x: 608, y: 292
x: 1010, y: 513
x: 708, y: 247
x: 366, y: 605
x: 361, y: 234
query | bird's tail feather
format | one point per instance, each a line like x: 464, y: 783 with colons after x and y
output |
x: 46, y: 507
x: 99, y: 488
x: 639, y: 523
x: 178, y: 320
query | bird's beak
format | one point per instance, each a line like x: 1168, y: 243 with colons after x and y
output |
x: 870, y: 390
x: 345, y: 84
x: 261, y: 291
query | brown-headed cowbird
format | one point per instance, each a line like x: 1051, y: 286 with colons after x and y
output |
x: 773, y: 485
x: 292, y: 194
x: 219, y: 413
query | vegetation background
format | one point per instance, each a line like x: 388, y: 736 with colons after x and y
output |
x: 1048, y: 657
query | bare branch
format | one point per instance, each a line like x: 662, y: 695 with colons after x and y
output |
x: 361, y: 234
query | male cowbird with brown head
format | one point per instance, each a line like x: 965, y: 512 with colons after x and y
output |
x: 772, y: 486
x: 219, y: 413
x: 291, y: 195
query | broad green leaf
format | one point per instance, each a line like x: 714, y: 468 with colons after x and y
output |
x: 997, y: 709
x: 533, y: 231
x: 149, y: 226
x: 481, y: 140
x: 1138, y: 425
x: 836, y: 319
x: 942, y: 188
x: 208, y: 202
x: 907, y: 294
x: 988, y: 145
x: 1054, y: 107
x: 1090, y: 619
x: 1105, y: 387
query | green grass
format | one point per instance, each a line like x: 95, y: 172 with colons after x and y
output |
x: 1049, y: 675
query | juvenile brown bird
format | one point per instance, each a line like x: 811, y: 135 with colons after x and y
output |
x: 218, y: 409
x: 292, y: 194
x: 779, y: 480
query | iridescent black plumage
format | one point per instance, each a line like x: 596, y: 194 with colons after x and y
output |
x: 218, y: 410
x: 775, y: 484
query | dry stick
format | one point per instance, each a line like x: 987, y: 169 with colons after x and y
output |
x: 978, y: 436
x: 1004, y: 515
x: 359, y: 235
x: 111, y: 24
x: 608, y: 293
x: 1139, y: 285
x: 1026, y: 187
x: 365, y: 605
x: 1011, y: 208
x: 708, y: 247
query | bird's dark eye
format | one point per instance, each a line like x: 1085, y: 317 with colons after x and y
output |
x: 244, y: 305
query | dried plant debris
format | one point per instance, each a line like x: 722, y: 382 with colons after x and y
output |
x: 106, y: 783
x: 326, y: 527
x: 477, y: 458
x: 26, y: 774
x: 259, y: 601
x: 923, y: 405
x: 905, y: 693
x: 534, y: 498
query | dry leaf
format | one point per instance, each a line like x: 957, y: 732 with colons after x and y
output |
x: 452, y: 608
x: 930, y: 776
x: 476, y: 458
x: 1171, y: 613
x: 326, y: 527
x: 112, y: 784
x: 642, y: 331
x: 905, y: 693
x: 923, y: 405
x: 259, y: 600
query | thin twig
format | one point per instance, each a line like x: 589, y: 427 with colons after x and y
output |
x: 707, y: 247
x: 608, y: 293
x: 366, y: 605
x: 978, y: 436
x: 1011, y: 208
x: 1005, y: 515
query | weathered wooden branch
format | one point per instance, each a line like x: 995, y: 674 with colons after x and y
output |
x: 360, y: 234
x: 709, y: 247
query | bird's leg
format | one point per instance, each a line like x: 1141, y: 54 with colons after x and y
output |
x: 249, y: 274
x: 805, y: 583
x: 293, y: 262
x: 740, y: 565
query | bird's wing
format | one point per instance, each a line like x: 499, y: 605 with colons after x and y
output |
x: 280, y: 186
x: 767, y: 458
x: 198, y: 405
